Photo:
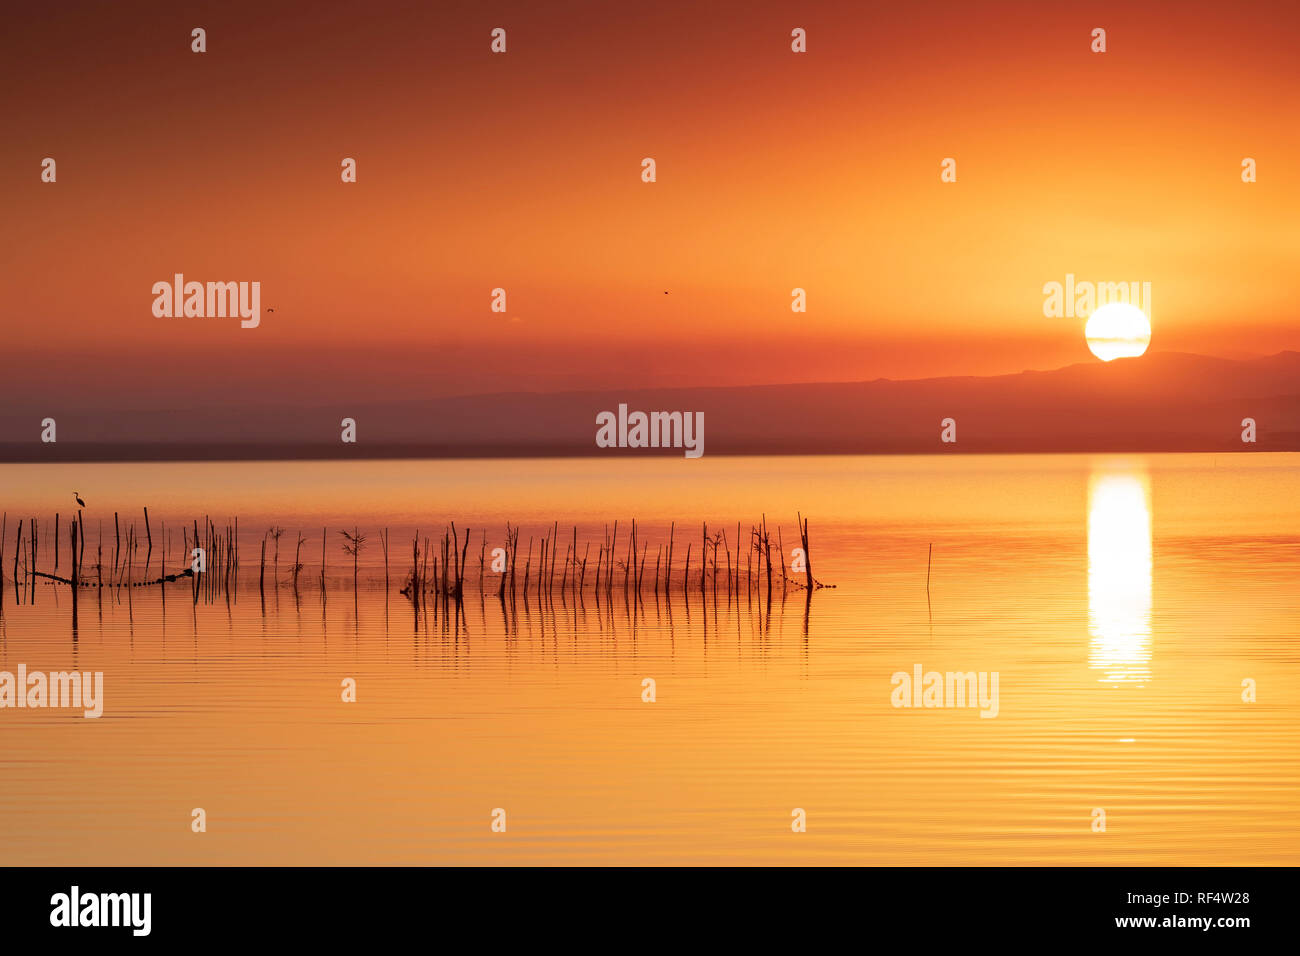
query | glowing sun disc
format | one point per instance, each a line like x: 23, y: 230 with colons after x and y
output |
x: 1118, y: 330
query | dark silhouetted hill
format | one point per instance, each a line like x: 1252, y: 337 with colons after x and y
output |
x: 1161, y: 402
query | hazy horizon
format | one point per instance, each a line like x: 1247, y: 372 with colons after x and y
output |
x: 1161, y: 401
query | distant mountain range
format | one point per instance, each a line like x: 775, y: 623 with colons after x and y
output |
x: 1160, y: 402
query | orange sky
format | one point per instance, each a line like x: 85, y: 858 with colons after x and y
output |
x: 775, y: 170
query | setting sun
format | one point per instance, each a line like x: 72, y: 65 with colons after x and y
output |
x: 1118, y: 330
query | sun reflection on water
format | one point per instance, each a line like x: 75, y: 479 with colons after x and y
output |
x: 1119, y: 575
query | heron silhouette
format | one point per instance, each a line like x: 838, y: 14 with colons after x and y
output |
x: 78, y: 497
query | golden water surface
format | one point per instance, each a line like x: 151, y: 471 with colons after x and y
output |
x: 1125, y: 603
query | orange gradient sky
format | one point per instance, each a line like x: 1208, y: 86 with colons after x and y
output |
x: 775, y: 170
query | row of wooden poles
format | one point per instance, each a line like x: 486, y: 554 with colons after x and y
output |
x: 215, y: 576
x: 220, y: 549
x: 616, y: 566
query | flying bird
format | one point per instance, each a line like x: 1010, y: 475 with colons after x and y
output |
x: 79, y: 501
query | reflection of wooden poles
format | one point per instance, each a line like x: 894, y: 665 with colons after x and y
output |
x: 928, y: 555
x: 807, y: 610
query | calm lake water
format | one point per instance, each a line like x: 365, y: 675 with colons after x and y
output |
x: 1122, y: 602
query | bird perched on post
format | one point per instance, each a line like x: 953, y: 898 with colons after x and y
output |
x: 79, y: 501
